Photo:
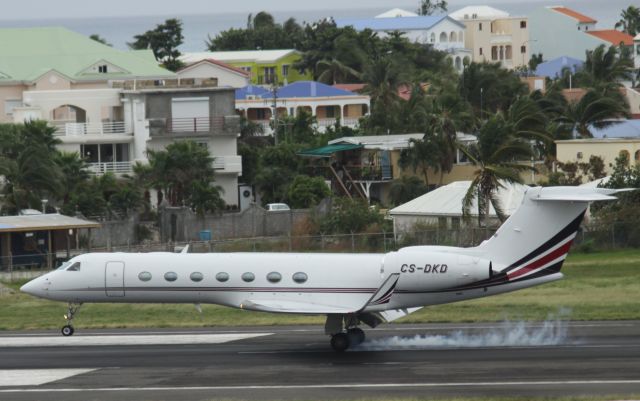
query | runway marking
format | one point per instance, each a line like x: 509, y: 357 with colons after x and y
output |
x: 167, y: 339
x: 37, y: 377
x: 327, y: 386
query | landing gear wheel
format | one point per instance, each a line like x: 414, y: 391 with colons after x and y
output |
x: 356, y: 335
x: 67, y: 331
x: 340, y: 342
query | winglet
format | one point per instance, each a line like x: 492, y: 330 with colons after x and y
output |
x: 385, y: 292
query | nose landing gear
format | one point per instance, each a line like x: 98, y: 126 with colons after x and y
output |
x: 73, y: 308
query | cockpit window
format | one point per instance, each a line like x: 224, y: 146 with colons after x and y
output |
x: 64, y: 266
x: 74, y: 267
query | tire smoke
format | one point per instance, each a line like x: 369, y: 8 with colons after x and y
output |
x: 508, y: 334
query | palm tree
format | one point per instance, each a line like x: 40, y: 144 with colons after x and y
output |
x: 422, y: 155
x: 333, y: 71
x: 496, y: 155
x: 74, y: 174
x: 406, y: 189
x: 383, y: 78
x: 630, y: 21
x: 594, y: 109
x: 605, y: 69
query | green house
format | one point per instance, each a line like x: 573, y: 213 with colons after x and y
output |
x: 266, y: 67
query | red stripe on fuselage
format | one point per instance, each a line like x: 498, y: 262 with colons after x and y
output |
x: 563, y: 250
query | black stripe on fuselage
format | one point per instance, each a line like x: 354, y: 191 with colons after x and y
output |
x: 555, y: 268
x: 231, y: 289
x: 555, y: 240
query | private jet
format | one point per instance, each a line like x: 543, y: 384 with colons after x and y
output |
x: 527, y: 250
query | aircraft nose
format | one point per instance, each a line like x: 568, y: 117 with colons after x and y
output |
x: 34, y: 287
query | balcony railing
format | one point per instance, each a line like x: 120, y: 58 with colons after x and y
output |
x: 64, y: 128
x: 347, y: 122
x: 198, y: 125
x: 228, y: 164
x: 110, y: 167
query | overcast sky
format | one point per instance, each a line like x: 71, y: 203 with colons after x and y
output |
x: 48, y: 9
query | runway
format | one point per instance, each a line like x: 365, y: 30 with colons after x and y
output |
x: 272, y: 363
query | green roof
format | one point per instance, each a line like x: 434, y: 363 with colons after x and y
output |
x: 327, y: 151
x: 29, y: 53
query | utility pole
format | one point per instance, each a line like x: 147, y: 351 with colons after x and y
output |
x: 274, y: 110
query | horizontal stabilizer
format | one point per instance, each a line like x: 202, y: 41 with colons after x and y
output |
x: 285, y: 306
x: 576, y: 194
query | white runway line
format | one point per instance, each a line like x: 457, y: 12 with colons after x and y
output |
x: 328, y: 386
x: 168, y: 339
x: 37, y: 377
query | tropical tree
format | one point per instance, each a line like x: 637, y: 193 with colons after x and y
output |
x: 406, y: 189
x: 428, y: 7
x: 605, y: 69
x: 496, y: 155
x: 334, y: 72
x: 593, y: 110
x: 630, y: 21
x: 422, y: 155
x: 489, y: 87
x: 164, y: 41
x: 74, y: 174
x: 383, y: 78
x: 100, y: 39
x: 307, y: 191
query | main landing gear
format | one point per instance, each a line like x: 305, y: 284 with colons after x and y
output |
x: 73, y: 308
x: 342, y: 339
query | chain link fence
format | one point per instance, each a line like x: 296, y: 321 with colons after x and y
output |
x: 589, y: 238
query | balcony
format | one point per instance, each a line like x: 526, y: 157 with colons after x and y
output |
x: 347, y: 122
x: 66, y: 128
x: 117, y: 168
x: 228, y: 164
x: 197, y: 126
x: 501, y: 38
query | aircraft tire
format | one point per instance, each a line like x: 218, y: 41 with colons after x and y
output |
x: 356, y: 335
x: 67, y: 330
x: 340, y: 342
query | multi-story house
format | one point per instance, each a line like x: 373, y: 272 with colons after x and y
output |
x: 213, y: 72
x: 106, y: 104
x: 326, y: 103
x: 493, y: 35
x: 440, y: 31
x: 265, y: 67
x: 578, y: 33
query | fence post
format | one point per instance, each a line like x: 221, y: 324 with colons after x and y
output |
x: 321, y: 241
x: 290, y: 242
x: 353, y: 242
x: 384, y: 241
x: 613, y: 235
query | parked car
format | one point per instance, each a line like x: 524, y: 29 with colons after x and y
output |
x: 277, y: 207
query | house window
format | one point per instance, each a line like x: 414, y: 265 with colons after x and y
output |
x: 102, y: 69
x: 261, y: 114
x: 523, y: 24
x: 480, y: 26
x: 637, y: 156
x: 523, y: 49
x: 285, y: 70
x: 579, y: 155
x: 10, y: 105
x: 331, y: 111
x: 269, y: 75
x: 480, y: 51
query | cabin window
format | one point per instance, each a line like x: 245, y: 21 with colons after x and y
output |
x: 144, y: 276
x: 170, y: 276
x: 222, y: 277
x: 74, y: 267
x: 196, y: 276
x: 274, y: 277
x: 248, y: 277
x: 300, y: 277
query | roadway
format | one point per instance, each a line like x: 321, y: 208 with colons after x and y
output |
x: 273, y: 363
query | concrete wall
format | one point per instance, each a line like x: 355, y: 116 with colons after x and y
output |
x: 555, y: 35
x: 52, y: 81
x: 208, y: 70
x: 114, y: 233
x: 180, y: 224
x: 607, y: 149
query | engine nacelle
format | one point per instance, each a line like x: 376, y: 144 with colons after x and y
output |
x: 432, y: 271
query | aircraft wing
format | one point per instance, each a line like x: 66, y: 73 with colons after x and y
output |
x: 285, y: 306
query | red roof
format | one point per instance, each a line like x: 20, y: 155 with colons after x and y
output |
x: 613, y: 36
x: 575, y: 15
x: 218, y: 63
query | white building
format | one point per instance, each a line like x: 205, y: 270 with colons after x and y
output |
x: 440, y: 31
x: 493, y: 35
x: 210, y: 72
x: 443, y: 207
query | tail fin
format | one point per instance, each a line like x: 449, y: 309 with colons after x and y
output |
x: 537, y: 237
